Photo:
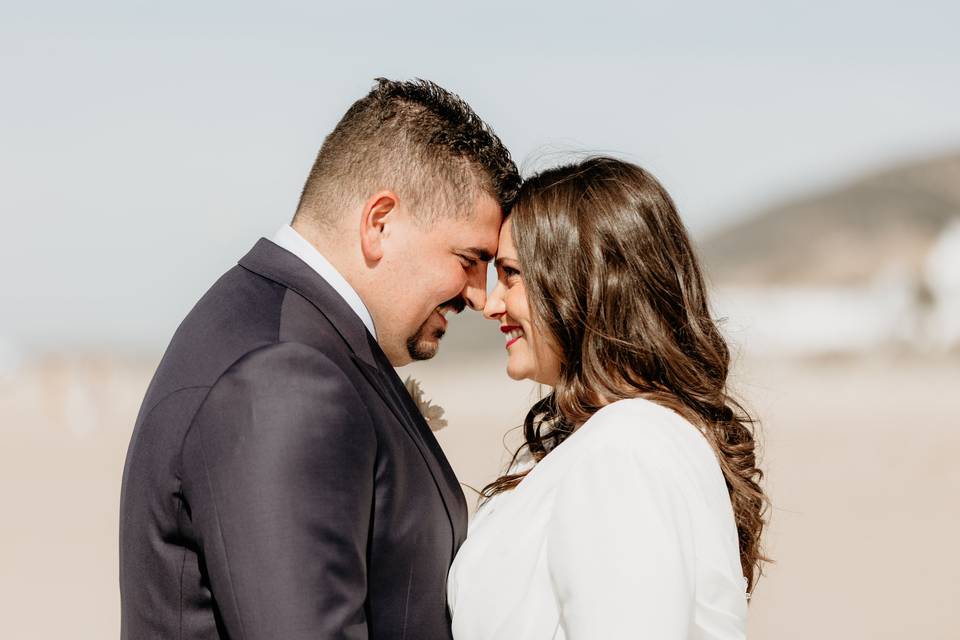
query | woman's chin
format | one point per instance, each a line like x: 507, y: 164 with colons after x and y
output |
x: 517, y: 373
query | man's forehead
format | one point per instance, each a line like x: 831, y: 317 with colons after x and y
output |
x: 481, y: 231
x: 484, y: 241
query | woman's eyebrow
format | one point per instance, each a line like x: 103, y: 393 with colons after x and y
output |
x: 501, y: 261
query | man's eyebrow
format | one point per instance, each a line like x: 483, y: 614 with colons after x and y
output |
x: 480, y: 254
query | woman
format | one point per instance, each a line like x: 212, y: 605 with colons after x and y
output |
x: 633, y: 509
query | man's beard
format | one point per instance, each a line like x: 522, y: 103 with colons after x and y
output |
x: 418, y: 345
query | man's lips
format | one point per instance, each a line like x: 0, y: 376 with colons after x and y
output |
x: 508, y: 329
x: 443, y: 320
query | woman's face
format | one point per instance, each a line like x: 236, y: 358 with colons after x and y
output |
x: 530, y: 354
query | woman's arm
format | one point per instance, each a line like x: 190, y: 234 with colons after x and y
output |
x: 620, y: 545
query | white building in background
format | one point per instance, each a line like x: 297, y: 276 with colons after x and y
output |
x: 898, y: 309
x: 795, y: 321
x: 942, y: 275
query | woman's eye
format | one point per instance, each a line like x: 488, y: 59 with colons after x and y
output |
x: 510, y: 272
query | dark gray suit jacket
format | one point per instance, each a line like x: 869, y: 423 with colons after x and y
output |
x: 280, y: 483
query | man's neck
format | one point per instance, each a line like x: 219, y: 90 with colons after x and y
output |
x: 337, y: 255
x: 330, y: 250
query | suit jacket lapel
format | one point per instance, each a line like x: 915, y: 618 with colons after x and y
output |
x: 273, y: 262
x: 443, y: 474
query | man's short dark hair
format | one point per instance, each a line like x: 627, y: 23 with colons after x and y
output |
x: 417, y: 139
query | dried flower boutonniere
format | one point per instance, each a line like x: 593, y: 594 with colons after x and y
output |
x: 432, y: 413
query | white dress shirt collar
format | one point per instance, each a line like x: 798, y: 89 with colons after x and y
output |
x: 288, y: 238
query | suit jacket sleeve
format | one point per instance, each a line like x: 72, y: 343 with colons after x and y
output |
x: 278, y: 481
x: 620, y: 548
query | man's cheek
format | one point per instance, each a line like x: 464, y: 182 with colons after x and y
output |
x: 443, y: 290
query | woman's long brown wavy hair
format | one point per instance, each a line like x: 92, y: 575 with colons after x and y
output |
x: 613, y: 281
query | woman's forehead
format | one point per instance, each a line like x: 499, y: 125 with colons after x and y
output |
x: 506, y: 249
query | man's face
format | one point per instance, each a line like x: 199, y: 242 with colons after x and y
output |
x: 432, y: 269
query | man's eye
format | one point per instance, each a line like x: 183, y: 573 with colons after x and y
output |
x: 468, y: 263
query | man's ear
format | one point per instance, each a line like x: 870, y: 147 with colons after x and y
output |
x: 378, y: 210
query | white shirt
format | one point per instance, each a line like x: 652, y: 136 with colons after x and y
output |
x: 288, y: 238
x: 625, y: 530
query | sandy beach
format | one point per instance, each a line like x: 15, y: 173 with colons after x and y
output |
x: 860, y: 458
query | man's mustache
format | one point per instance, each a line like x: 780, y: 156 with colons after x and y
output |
x: 456, y: 305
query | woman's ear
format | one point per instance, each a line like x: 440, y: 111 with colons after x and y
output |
x: 378, y: 211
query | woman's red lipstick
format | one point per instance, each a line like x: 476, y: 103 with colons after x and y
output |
x: 507, y: 328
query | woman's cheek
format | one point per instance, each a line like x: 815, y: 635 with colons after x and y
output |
x: 517, y: 305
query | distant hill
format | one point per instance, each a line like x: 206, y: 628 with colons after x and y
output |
x: 842, y: 236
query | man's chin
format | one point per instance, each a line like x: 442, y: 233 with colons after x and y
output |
x: 423, y: 348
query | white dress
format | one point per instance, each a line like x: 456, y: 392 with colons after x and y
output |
x: 625, y: 530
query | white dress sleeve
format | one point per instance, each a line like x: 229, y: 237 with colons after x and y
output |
x: 620, y: 546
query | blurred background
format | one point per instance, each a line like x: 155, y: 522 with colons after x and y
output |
x: 813, y: 150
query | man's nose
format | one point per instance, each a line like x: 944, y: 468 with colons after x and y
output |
x: 495, y: 307
x: 475, y: 291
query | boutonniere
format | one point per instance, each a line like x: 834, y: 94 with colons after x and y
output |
x: 432, y: 413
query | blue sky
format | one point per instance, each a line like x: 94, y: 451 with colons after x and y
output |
x: 146, y: 145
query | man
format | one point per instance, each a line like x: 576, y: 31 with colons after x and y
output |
x: 280, y: 483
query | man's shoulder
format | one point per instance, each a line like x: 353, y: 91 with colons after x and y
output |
x: 238, y: 314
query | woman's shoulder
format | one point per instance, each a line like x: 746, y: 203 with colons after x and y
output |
x: 644, y: 431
